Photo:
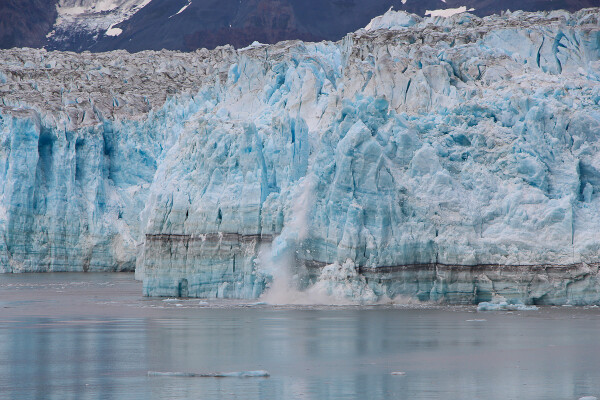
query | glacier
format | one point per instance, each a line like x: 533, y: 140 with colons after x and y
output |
x: 443, y: 159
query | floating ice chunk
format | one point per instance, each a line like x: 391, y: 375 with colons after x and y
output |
x: 178, y: 374
x: 240, y: 374
x: 245, y: 374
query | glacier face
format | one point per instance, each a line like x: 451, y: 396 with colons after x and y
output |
x: 80, y: 138
x: 444, y: 159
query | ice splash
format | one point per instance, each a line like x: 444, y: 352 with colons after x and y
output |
x: 276, y: 262
x: 342, y: 281
x: 499, y: 303
x: 337, y: 284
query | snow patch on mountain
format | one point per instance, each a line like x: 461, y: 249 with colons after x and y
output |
x: 113, y: 31
x: 182, y: 9
x: 448, y: 12
x: 93, y: 17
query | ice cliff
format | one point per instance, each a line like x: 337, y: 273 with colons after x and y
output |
x: 443, y: 158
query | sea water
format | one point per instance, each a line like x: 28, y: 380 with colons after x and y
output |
x: 93, y: 336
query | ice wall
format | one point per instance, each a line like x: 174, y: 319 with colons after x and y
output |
x: 454, y: 141
x: 432, y: 143
x: 80, y: 140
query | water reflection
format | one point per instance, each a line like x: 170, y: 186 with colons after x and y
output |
x: 350, y: 354
x: 42, y: 358
x: 311, y: 354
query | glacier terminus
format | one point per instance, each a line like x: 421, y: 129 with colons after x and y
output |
x: 442, y: 159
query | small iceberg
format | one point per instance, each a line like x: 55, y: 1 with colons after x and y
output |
x: 240, y: 374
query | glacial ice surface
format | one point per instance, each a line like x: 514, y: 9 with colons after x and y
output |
x: 438, y: 142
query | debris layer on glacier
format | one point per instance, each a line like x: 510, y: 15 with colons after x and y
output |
x: 448, y: 159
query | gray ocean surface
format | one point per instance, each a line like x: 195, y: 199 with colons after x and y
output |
x: 93, y: 336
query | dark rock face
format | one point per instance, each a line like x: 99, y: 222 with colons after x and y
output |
x: 25, y: 23
x: 210, y: 23
x: 265, y: 21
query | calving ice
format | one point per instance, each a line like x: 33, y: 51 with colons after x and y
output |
x: 448, y: 159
